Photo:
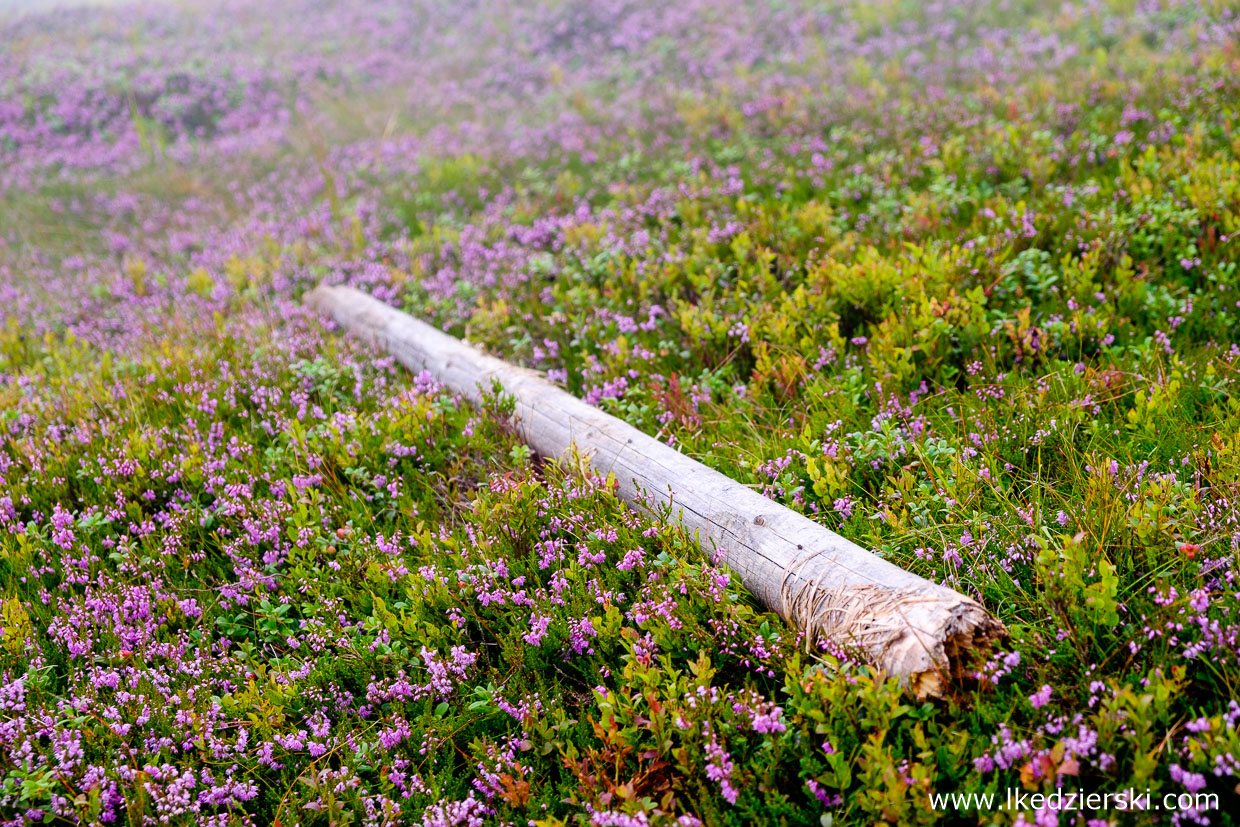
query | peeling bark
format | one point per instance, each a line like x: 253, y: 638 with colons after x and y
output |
x: 818, y: 581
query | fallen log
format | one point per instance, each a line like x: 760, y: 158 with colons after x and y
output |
x: 827, y: 586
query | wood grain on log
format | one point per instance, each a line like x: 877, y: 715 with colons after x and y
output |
x: 820, y: 582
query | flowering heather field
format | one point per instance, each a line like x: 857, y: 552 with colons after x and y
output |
x: 958, y: 281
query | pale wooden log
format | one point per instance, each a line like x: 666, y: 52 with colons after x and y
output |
x: 820, y: 582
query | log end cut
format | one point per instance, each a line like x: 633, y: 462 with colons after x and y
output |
x: 969, y: 631
x: 926, y: 635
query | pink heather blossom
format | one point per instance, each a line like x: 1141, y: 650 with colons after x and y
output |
x: 1041, y: 698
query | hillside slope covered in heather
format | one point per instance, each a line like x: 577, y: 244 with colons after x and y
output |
x: 959, y: 281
